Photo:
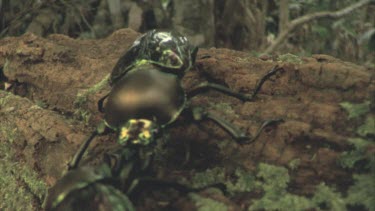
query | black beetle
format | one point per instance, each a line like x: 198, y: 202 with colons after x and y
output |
x: 87, y: 188
x: 147, y: 94
x: 112, y: 185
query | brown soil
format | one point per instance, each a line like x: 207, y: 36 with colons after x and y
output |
x: 50, y: 120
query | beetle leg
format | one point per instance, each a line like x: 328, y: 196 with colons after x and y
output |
x: 260, y: 129
x: 101, y: 129
x: 73, y: 164
x: 205, y: 56
x: 264, y: 78
x: 194, y: 54
x: 199, y: 114
x: 205, y: 86
x: 245, y: 97
x: 113, y: 160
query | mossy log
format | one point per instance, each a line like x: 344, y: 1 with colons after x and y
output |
x: 56, y: 82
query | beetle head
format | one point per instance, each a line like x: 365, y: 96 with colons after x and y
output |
x: 137, y: 132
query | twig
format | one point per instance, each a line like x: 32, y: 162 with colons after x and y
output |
x: 310, y: 17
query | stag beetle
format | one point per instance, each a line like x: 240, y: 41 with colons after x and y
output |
x: 147, y: 94
x: 112, y: 184
x: 87, y: 188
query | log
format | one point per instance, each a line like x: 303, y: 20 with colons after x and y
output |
x: 56, y: 82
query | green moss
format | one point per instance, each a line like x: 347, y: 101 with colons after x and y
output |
x: 81, y: 100
x: 207, y: 204
x: 19, y: 185
x: 363, y: 191
x: 283, y: 202
x: 274, y: 181
x: 328, y: 198
x: 82, y: 115
x: 291, y: 58
x: 6, y: 65
x: 208, y: 177
x: 368, y: 128
x: 240, y: 59
x: 33, y: 182
x: 5, y: 99
x: 8, y: 131
x: 348, y: 159
x: 293, y: 164
x: 225, y: 107
x: 82, y: 97
x: 356, y: 110
x: 41, y: 104
x: 245, y: 182
x: 275, y: 178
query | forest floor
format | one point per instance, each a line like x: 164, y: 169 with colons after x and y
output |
x: 321, y: 156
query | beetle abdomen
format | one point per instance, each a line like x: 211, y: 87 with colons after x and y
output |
x: 145, y: 93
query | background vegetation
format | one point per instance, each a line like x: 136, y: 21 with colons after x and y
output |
x: 248, y: 25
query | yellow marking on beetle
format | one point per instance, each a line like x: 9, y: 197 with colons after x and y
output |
x: 146, y: 123
x: 141, y: 62
x: 124, y: 133
x: 146, y: 134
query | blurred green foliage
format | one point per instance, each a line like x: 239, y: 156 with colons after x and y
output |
x: 291, y: 58
x: 273, y: 181
x: 363, y: 190
x: 207, y: 204
x: 368, y: 128
x: 348, y: 159
x: 356, y: 110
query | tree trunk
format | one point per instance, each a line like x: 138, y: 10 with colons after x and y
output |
x: 284, y: 15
